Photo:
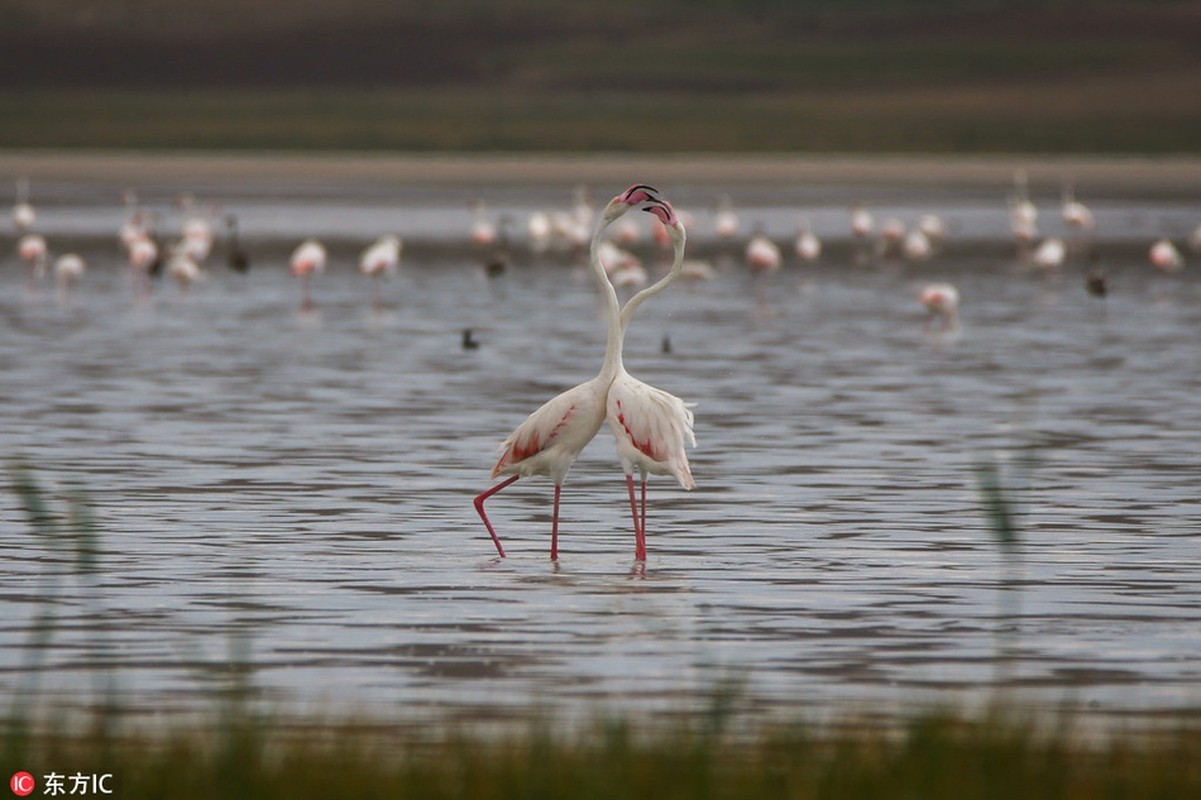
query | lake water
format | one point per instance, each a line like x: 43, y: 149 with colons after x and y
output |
x: 291, y: 494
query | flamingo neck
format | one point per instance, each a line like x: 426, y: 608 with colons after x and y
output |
x: 613, y: 344
x: 627, y: 313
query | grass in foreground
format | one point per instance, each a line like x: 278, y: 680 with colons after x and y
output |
x: 931, y: 757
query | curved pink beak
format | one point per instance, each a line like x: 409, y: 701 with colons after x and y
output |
x: 638, y: 193
x: 663, y: 210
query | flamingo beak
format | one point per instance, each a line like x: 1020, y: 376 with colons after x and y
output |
x: 639, y: 193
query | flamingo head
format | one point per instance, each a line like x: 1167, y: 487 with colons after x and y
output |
x: 638, y: 193
x: 663, y: 211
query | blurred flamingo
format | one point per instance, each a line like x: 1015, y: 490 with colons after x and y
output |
x: 23, y: 215
x: 1165, y: 257
x: 308, y: 258
x: 941, y: 301
x: 378, y: 262
x: 725, y: 221
x: 68, y: 269
x: 808, y: 246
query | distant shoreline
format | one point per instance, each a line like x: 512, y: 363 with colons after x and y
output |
x: 1169, y: 175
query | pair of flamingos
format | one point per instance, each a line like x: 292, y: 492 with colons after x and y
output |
x: 651, y: 425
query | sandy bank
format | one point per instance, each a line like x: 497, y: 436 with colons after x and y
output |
x: 1158, y: 175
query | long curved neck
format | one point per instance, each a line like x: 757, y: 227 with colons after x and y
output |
x: 613, y: 343
x: 627, y: 313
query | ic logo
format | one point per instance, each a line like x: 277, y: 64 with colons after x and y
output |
x: 22, y: 784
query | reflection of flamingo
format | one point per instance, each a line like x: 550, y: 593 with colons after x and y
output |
x: 308, y: 258
x: 380, y: 261
x: 651, y: 426
x: 549, y: 440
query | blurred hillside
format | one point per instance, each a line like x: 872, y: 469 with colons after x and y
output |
x: 527, y: 74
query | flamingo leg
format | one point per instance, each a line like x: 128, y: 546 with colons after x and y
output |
x: 479, y: 507
x: 554, y: 526
x: 643, y: 514
x: 639, y: 519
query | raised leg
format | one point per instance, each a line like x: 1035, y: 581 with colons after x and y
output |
x: 554, y: 526
x: 479, y: 507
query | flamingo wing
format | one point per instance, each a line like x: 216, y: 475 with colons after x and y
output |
x: 652, y: 426
x: 549, y: 440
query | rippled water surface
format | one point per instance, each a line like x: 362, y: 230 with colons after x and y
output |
x: 292, y: 492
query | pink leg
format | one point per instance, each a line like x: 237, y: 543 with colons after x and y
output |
x: 639, y: 537
x: 554, y: 527
x: 479, y: 507
x: 643, y: 515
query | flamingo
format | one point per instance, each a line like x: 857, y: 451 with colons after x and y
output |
x: 539, y: 229
x: 483, y: 229
x: 183, y: 268
x: 1165, y: 256
x: 917, y: 246
x: 892, y: 234
x: 762, y: 254
x: 1020, y: 207
x: 941, y: 301
x: 379, y: 261
x: 197, y: 238
x: 549, y: 440
x: 933, y: 226
x: 725, y: 222
x: 651, y: 426
x: 68, y: 269
x: 307, y: 258
x: 862, y: 221
x: 1050, y: 254
x: 808, y: 246
x: 1075, y: 213
x: 23, y: 214
x: 144, y: 260
x: 32, y: 249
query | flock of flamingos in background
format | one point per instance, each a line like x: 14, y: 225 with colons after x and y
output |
x: 651, y: 426
x: 185, y: 257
